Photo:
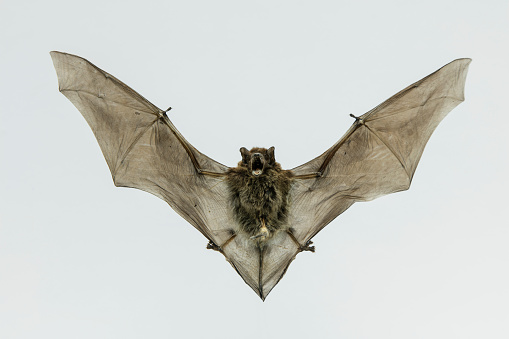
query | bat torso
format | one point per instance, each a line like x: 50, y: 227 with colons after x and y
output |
x: 262, y: 199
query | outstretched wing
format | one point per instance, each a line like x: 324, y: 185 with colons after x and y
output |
x: 142, y: 147
x: 379, y: 153
x: 377, y: 156
x: 144, y: 150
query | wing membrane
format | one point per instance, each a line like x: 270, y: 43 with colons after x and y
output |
x: 379, y: 153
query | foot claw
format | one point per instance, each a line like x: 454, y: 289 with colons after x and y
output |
x: 307, y: 247
x: 212, y: 246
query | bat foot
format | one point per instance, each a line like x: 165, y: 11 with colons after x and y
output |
x: 307, y: 247
x: 212, y: 246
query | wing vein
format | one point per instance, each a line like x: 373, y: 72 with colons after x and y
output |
x: 113, y: 101
x: 408, y: 109
x: 114, y: 80
x: 391, y: 150
x: 131, y: 146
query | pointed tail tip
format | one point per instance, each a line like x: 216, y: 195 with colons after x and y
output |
x: 261, y: 295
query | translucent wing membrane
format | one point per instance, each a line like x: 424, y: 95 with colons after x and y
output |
x: 379, y: 153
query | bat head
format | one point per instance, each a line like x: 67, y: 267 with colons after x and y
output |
x: 257, y: 160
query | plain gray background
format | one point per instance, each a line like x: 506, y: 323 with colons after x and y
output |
x: 80, y: 258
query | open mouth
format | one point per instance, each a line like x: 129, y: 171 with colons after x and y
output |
x: 257, y: 166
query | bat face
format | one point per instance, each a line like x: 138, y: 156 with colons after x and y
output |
x: 258, y: 160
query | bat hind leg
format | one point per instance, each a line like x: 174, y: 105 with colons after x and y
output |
x: 302, y: 248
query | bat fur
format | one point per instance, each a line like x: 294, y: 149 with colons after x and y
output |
x: 259, y: 199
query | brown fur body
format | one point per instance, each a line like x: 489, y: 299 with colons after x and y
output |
x: 262, y: 198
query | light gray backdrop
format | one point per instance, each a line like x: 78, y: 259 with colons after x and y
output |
x: 80, y: 258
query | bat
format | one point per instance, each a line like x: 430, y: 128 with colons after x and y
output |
x: 257, y: 214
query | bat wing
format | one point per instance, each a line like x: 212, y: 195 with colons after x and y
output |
x: 142, y: 147
x: 378, y: 155
x: 144, y: 150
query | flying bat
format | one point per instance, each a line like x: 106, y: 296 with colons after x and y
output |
x: 257, y: 214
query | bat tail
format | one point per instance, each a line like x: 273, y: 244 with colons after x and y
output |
x: 260, y: 273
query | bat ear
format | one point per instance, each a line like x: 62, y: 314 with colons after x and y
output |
x: 270, y: 153
x: 245, y: 155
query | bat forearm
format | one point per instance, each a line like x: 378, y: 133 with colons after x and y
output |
x: 187, y: 147
x: 210, y: 174
x: 312, y: 175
